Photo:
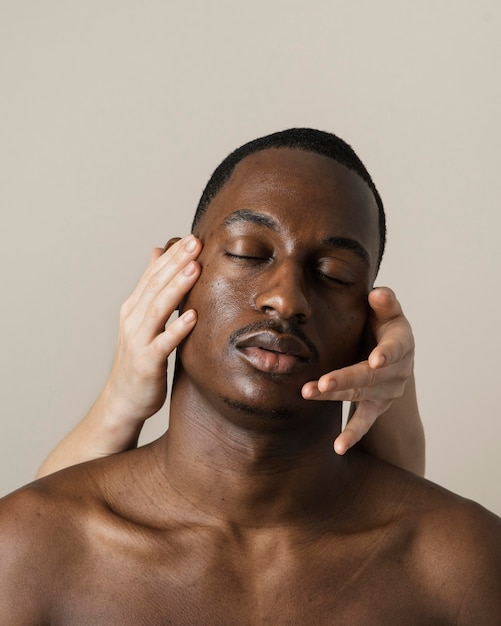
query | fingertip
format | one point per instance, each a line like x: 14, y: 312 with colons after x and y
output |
x: 155, y: 254
x: 189, y: 317
x: 310, y: 391
x: 377, y: 360
x: 191, y: 268
x: 389, y: 293
x: 340, y: 446
x: 351, y: 435
x: 381, y: 296
x: 327, y: 384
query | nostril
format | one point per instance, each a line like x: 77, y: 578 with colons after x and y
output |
x: 283, y: 292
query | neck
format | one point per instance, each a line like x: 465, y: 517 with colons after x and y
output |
x: 253, y: 471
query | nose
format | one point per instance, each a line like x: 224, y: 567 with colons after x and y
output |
x: 283, y: 292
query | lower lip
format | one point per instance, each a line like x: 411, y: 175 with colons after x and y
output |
x: 272, y: 362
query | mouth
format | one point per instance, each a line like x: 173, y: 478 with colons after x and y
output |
x: 275, y: 353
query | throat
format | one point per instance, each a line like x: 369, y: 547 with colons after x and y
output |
x: 255, y: 478
x: 257, y: 461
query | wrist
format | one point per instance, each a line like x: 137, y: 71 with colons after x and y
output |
x: 114, y: 424
x: 115, y: 411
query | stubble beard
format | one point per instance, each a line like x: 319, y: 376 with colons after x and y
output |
x: 276, y: 414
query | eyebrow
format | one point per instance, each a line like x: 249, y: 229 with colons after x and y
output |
x: 336, y: 243
x: 346, y: 243
x: 246, y: 215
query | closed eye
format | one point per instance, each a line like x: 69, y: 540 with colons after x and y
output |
x: 334, y: 271
x: 334, y: 279
x: 245, y: 257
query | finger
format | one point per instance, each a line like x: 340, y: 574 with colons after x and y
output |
x: 357, y: 375
x: 164, y: 304
x: 170, y: 243
x: 384, y: 308
x: 392, y: 349
x: 396, y: 343
x: 310, y: 390
x: 361, y: 394
x: 150, y: 269
x: 172, y: 336
x: 360, y: 382
x: 161, y: 257
x: 169, y: 265
x: 346, y: 440
x: 358, y: 426
x: 342, y: 384
x: 391, y: 329
x: 132, y: 299
x: 176, y: 255
x: 384, y: 304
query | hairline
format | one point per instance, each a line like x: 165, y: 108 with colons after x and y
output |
x: 304, y: 139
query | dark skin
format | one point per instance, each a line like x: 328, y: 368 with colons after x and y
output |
x: 242, y: 513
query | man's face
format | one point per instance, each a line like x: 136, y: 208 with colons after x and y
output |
x: 290, y: 254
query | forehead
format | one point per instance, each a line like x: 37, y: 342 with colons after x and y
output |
x: 304, y: 192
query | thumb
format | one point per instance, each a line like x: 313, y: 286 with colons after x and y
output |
x: 384, y: 304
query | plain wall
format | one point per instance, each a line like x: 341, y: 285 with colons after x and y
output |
x: 114, y: 113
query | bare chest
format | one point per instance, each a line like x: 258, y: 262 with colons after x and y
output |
x: 207, y: 577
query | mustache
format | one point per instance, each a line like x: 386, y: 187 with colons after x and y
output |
x: 283, y: 328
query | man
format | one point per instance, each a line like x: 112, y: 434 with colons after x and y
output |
x: 241, y: 513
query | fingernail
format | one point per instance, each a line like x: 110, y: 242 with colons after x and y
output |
x: 387, y: 292
x: 378, y: 360
x: 190, y: 244
x: 314, y: 393
x: 189, y: 317
x: 189, y: 270
x: 339, y: 448
x: 330, y: 386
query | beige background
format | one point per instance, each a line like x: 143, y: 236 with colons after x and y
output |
x: 113, y: 115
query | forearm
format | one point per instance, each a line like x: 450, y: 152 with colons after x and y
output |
x: 137, y: 386
x: 397, y: 437
x: 100, y: 433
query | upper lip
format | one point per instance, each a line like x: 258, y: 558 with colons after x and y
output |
x: 281, y: 343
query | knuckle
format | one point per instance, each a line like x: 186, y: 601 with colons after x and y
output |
x: 400, y: 350
x: 357, y: 394
x: 349, y: 378
x: 125, y: 309
x: 126, y: 327
x: 153, y: 283
x: 154, y: 310
x: 158, y: 349
x: 372, y: 377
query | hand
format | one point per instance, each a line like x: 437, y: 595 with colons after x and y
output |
x: 375, y: 383
x: 137, y: 386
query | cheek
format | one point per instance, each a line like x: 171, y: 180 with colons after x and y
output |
x: 216, y: 299
x: 341, y: 331
x: 218, y: 303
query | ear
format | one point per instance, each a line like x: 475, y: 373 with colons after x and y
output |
x: 170, y: 243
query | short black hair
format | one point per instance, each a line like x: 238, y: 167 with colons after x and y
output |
x: 307, y: 139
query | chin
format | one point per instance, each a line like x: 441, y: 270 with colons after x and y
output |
x: 269, y: 414
x: 252, y: 412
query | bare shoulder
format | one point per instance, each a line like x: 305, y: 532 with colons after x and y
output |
x: 464, y: 555
x: 54, y: 531
x: 49, y: 533
x: 455, y: 546
x: 38, y: 532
